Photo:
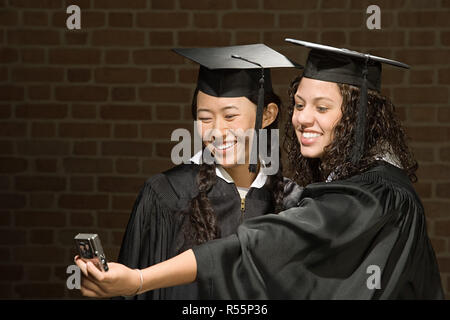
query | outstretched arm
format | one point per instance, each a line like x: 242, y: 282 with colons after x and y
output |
x: 120, y: 280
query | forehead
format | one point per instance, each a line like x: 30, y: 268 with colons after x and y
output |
x: 208, y: 102
x: 312, y: 88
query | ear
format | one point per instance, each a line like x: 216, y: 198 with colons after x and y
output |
x: 269, y: 114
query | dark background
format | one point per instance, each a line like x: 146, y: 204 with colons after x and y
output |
x: 86, y: 115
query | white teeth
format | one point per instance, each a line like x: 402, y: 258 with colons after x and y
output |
x: 311, y: 135
x: 226, y: 146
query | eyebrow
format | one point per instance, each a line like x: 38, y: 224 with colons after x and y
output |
x: 316, y: 98
x: 222, y: 109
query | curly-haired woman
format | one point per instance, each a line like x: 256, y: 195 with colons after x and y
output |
x: 359, y: 229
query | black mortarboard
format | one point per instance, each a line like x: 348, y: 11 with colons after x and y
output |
x: 332, y: 64
x: 237, y: 71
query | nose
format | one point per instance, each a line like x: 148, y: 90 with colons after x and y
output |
x: 217, y: 130
x: 303, y: 117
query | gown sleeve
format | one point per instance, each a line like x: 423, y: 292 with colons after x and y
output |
x: 150, y: 234
x: 329, y: 247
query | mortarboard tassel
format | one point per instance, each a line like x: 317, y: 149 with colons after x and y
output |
x: 258, y: 121
x: 358, y: 147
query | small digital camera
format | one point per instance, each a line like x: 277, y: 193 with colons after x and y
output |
x: 90, y: 249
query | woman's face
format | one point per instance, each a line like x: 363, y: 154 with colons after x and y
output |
x: 317, y: 110
x: 226, y: 126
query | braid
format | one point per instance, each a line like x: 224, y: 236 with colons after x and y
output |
x: 202, y: 220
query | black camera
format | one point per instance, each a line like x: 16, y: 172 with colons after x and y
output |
x: 90, y: 249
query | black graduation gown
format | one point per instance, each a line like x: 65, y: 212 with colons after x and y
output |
x: 154, y: 234
x: 327, y: 246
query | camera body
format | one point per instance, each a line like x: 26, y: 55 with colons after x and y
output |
x: 90, y: 249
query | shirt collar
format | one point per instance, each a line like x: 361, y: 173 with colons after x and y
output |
x: 258, y: 183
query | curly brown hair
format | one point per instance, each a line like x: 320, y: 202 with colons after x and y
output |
x: 384, y: 136
x: 201, y: 224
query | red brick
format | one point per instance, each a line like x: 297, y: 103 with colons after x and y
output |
x: 123, y: 94
x: 42, y: 200
x: 442, y: 228
x: 120, y: 4
x: 156, y: 56
x: 42, y: 236
x: 439, y: 245
x: 85, y: 148
x: 204, y: 38
x: 423, y: 154
x: 421, y: 76
x: 377, y: 39
x: 443, y: 190
x: 120, y: 19
x: 166, y: 20
x: 5, y: 111
x: 43, y: 129
x: 30, y: 4
x: 127, y: 166
x: 117, y: 56
x: 13, y: 165
x: 38, y: 273
x: 41, y: 147
x: 164, y: 149
x: 41, y: 111
x: 8, y: 55
x: 423, y: 19
x: 13, y: 237
x: 422, y: 114
x: 162, y: 75
x: 162, y: 131
x: 164, y: 94
x: 120, y: 75
x: 83, y: 202
x: 74, y: 56
x: 434, y: 171
x: 335, y: 20
x: 119, y: 148
x: 46, y: 165
x: 39, y: 92
x: 113, y: 220
x: 35, y: 18
x: 444, y: 114
x: 82, y: 183
x: 11, y: 93
x: 81, y: 219
x: 124, y: 112
x: 246, y: 37
x: 33, y: 37
x: 118, y: 38
x: 33, y: 55
x: 251, y: 20
x: 37, y: 74
x: 168, y: 112
x: 39, y: 254
x: 125, y: 131
x: 206, y: 4
x: 163, y: 4
x: 11, y: 272
x: 86, y: 165
x: 13, y: 129
x: 84, y: 111
x: 123, y: 202
x: 120, y: 184
x: 12, y: 200
x: 76, y: 38
x: 8, y: 18
x: 424, y: 189
x: 418, y: 57
x: 40, y: 183
x: 444, y: 264
x: 84, y: 130
x: 444, y: 154
x: 421, y: 95
x: 422, y: 38
x: 79, y: 75
x: 206, y: 20
x: 161, y: 38
x: 444, y: 76
x: 81, y: 93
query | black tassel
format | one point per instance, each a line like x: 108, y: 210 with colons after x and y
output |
x: 358, y: 147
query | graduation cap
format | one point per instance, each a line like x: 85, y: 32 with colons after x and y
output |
x: 238, y: 71
x: 332, y: 64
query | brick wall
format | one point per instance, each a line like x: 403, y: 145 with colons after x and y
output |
x: 86, y: 115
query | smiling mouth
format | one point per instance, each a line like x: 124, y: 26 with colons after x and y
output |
x: 225, y: 146
x: 310, y: 135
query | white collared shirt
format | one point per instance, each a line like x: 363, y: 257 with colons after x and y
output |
x: 258, y: 183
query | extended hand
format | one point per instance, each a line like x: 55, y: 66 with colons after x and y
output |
x: 119, y: 280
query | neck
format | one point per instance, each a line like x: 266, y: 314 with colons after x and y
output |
x: 241, y: 176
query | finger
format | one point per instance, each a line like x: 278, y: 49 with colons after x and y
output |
x: 88, y: 293
x: 93, y: 287
x: 94, y: 272
x: 82, y: 265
